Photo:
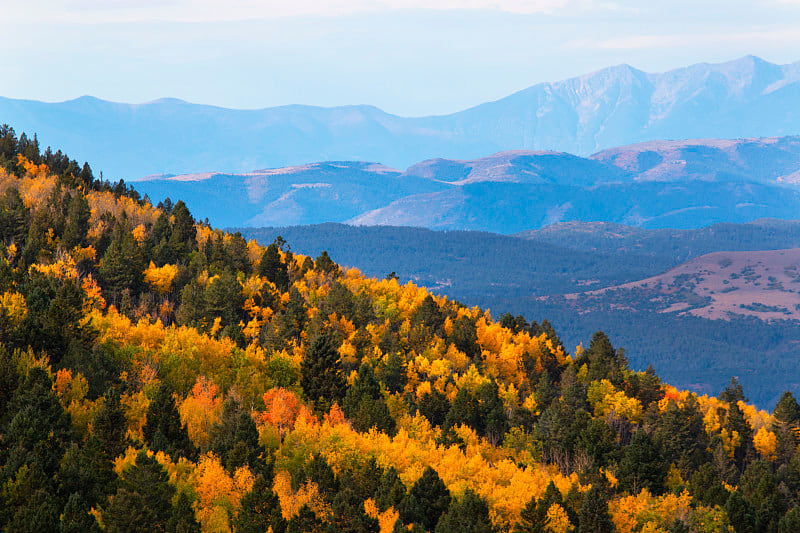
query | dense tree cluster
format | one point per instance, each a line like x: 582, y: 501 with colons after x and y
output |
x: 159, y: 375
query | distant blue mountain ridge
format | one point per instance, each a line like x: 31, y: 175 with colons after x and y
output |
x: 748, y: 97
x: 658, y: 184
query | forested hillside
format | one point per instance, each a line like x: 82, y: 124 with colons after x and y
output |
x: 157, y: 374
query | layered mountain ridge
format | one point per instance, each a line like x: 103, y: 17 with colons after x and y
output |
x: 610, y: 107
x: 657, y: 184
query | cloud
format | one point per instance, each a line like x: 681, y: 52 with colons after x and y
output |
x: 99, y: 11
x: 649, y: 41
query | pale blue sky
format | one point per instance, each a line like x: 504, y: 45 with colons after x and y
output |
x: 399, y: 55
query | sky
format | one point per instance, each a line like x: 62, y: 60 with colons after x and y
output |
x: 408, y: 57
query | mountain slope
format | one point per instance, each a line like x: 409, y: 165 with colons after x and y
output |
x: 658, y: 184
x: 611, y: 107
x: 720, y: 285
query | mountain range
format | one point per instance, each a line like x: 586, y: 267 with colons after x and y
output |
x: 657, y: 184
x: 611, y: 107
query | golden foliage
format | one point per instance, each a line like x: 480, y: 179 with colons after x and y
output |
x: 766, y: 443
x: 201, y: 410
x: 160, y: 278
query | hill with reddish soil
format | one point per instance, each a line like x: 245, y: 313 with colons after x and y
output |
x: 720, y: 285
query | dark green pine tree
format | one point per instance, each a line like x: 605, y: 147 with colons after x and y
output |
x: 234, y: 439
x: 123, y: 265
x: 260, y: 510
x: 184, y: 234
x: 604, y: 362
x: 642, y: 466
x: 365, y: 480
x: 28, y: 502
x: 324, y: 263
x: 9, y: 381
x: 740, y: 513
x: 470, y: 514
x: 531, y: 518
x: 109, y: 425
x: 545, y: 392
x: 224, y: 300
x: 143, y: 502
x: 680, y: 433
x: 87, y: 470
x: 491, y: 413
x: 293, y: 319
x: 365, y: 405
x: 272, y: 268
x: 394, y: 374
x: 39, y: 431
x: 427, y: 501
x: 391, y: 491
x: 434, y: 406
x: 322, y: 378
x: 594, y: 517
x: 706, y: 486
x: 183, y: 519
x: 790, y: 523
x: 78, y: 215
x: 163, y: 429
x: 465, y: 410
x: 349, y: 516
x: 76, y: 518
x: 305, y: 521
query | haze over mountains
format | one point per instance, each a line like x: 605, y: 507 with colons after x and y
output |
x: 681, y: 184
x: 748, y: 97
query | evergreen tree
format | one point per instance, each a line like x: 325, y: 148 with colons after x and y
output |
x: 143, y: 503
x: 465, y: 410
x: 740, y: 513
x: 305, y: 521
x: 235, y: 437
x: 365, y: 405
x: 349, y: 515
x: 680, y: 433
x: 78, y: 215
x: 260, y: 510
x: 733, y: 392
x: 183, y: 519
x: 790, y: 523
x: 76, y: 517
x: 786, y: 413
x: 531, y: 518
x: 163, y: 429
x: 470, y: 514
x: 110, y: 426
x: 9, y: 381
x: 394, y: 373
x: 391, y: 491
x: 604, y: 361
x: 706, y: 486
x: 39, y: 431
x: 434, y: 406
x: 491, y: 413
x: 87, y: 470
x: 545, y: 392
x: 122, y: 266
x: 642, y: 466
x: 427, y: 501
x: 272, y: 268
x: 594, y: 517
x: 184, y: 234
x: 322, y: 378
x: 324, y: 263
x: 294, y: 318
